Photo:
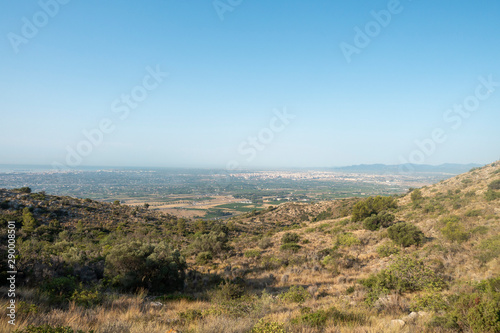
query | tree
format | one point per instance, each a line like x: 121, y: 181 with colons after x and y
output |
x: 29, y: 222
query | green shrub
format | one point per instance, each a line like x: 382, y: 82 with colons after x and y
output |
x: 489, y: 249
x: 373, y: 205
x: 381, y: 220
x: 190, y: 315
x: 296, y: 294
x: 252, y: 253
x: 215, y: 241
x: 473, y: 213
x: 86, y: 298
x: 405, y: 274
x: 203, y: 258
x: 48, y: 329
x: 313, y: 319
x: 405, y: 234
x: 454, y: 231
x: 59, y: 289
x: 268, y: 327
x: 494, y: 185
x: 347, y: 239
x: 386, y: 250
x: 134, y: 265
x: 416, y: 196
x: 429, y: 301
x: 290, y: 237
x: 491, y: 195
x: 477, y: 312
x: 290, y: 247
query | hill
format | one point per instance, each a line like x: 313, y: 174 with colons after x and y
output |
x: 425, y: 261
x: 448, y: 168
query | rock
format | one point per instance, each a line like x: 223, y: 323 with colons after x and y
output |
x: 284, y: 278
x: 411, y: 317
x: 397, y: 323
x: 156, y: 304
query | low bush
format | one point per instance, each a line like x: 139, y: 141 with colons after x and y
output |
x: 386, y: 250
x: 296, y: 294
x: 268, y: 327
x: 292, y: 247
x: 373, y: 205
x: 405, y: 234
x: 347, y: 239
x: 290, y: 237
x: 381, y: 220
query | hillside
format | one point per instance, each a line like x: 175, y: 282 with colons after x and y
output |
x: 427, y: 261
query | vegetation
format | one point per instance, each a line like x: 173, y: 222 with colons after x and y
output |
x: 90, y: 266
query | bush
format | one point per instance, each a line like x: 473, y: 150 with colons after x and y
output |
x: 215, y: 242
x: 491, y: 195
x: 252, y: 253
x: 296, y: 294
x: 49, y: 329
x: 489, y: 249
x: 386, y: 250
x: 473, y: 213
x: 416, y: 196
x: 135, y: 265
x: 347, y: 239
x: 405, y: 234
x: 454, y: 231
x: 313, y: 319
x: 477, y: 312
x: 381, y: 220
x: 268, y: 327
x: 86, y: 298
x: 290, y: 247
x: 494, y: 185
x: 430, y: 301
x: 290, y: 237
x: 203, y: 258
x: 59, y: 289
x: 405, y: 274
x: 373, y: 205
x: 265, y: 242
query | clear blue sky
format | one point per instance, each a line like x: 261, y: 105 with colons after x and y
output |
x: 227, y: 77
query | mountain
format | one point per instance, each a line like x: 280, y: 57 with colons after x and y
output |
x: 425, y: 261
x: 449, y: 168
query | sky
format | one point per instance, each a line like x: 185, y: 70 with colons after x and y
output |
x: 249, y: 84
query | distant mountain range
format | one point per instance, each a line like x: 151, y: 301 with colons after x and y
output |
x: 451, y: 168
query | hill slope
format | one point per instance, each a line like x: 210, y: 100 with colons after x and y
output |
x: 424, y: 261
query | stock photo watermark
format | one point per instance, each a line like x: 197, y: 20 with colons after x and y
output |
x: 122, y: 108
x: 364, y: 36
x: 454, y: 118
x: 250, y: 147
x: 225, y: 6
x: 12, y: 272
x: 31, y: 26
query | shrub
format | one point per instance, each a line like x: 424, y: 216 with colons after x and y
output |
x: 477, y: 312
x: 204, y: 258
x: 252, y: 253
x: 381, y: 220
x: 494, y: 185
x: 473, y: 213
x: 489, y: 249
x: 373, y: 205
x: 416, y: 196
x: 134, y: 265
x: 268, y: 327
x: 313, y: 319
x: 385, y: 250
x: 290, y: 237
x: 454, y: 231
x: 404, y: 274
x: 48, y: 329
x: 59, y: 289
x: 491, y: 195
x: 86, y: 298
x: 405, y: 234
x: 429, y: 301
x: 296, y: 294
x: 347, y: 239
x: 290, y: 247
x: 265, y: 242
x: 215, y: 242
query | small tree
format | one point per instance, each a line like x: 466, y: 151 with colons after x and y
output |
x: 29, y: 222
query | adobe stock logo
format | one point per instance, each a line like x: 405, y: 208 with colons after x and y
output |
x: 254, y: 144
x: 31, y: 27
x: 454, y: 117
x: 122, y: 107
x: 372, y: 29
